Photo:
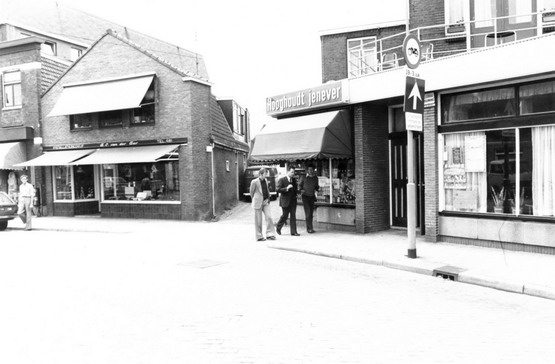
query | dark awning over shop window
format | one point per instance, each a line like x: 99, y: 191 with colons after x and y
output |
x: 91, y: 97
x: 318, y: 136
x: 11, y: 154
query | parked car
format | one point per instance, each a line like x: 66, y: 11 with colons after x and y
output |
x: 252, y: 173
x: 8, y: 210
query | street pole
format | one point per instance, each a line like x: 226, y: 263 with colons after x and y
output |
x: 411, y: 197
x: 414, y: 109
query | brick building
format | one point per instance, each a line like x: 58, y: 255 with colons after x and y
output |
x: 122, y: 94
x: 484, y: 156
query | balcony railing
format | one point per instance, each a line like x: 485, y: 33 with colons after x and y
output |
x: 449, y: 39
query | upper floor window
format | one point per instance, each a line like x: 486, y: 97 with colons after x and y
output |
x: 548, y: 5
x: 514, y: 11
x: 479, y: 105
x: 362, y: 56
x: 537, y: 97
x: 12, y: 88
x: 454, y: 12
x: 48, y: 48
x: 145, y: 113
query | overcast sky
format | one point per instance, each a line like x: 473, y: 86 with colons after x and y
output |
x: 252, y: 48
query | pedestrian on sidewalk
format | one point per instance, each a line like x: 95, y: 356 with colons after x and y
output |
x: 260, y: 197
x: 309, y: 186
x: 26, y: 194
x: 287, y: 188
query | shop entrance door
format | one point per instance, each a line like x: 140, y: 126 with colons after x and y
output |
x: 399, y: 179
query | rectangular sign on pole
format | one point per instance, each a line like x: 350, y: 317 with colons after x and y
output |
x: 414, y: 103
x: 413, y: 121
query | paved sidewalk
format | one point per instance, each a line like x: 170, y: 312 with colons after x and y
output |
x: 520, y: 272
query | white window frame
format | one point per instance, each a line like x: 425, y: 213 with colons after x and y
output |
x: 449, y: 21
x: 356, y: 69
x: 11, y: 85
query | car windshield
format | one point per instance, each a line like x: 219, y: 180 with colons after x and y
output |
x: 4, y: 199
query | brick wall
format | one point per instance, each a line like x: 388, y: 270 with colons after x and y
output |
x: 431, y: 170
x: 182, y: 111
x: 372, y: 167
x: 432, y: 12
x: 334, y: 50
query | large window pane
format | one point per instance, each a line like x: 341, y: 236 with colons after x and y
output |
x: 141, y: 181
x: 479, y: 171
x: 362, y: 56
x: 543, y: 171
x: 537, y: 97
x: 501, y: 158
x: 479, y: 105
x: 525, y: 202
x: 62, y: 182
x: 464, y: 172
x: 84, y: 182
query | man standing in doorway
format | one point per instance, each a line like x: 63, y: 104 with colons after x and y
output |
x: 260, y: 196
x: 287, y: 188
x: 26, y: 194
x: 309, y: 186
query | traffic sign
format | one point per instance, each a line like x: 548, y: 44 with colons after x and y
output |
x: 411, y: 51
x: 414, y: 95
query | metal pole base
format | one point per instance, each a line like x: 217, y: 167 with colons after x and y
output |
x: 412, y: 253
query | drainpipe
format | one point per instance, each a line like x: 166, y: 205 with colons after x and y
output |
x: 210, y: 149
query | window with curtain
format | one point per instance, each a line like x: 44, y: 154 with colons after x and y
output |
x: 537, y: 97
x: 362, y: 56
x: 479, y: 105
x: 454, y: 11
x: 509, y: 171
x: 520, y: 11
x: 484, y: 11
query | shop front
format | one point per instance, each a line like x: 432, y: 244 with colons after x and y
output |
x: 325, y: 141
x: 497, y: 175
x: 114, y: 179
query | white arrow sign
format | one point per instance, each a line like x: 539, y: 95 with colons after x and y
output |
x: 415, y: 94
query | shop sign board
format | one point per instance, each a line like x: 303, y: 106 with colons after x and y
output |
x: 130, y: 143
x: 332, y: 93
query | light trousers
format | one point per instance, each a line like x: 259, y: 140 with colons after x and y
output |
x: 265, y: 209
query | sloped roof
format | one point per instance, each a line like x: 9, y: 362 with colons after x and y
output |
x: 54, y: 19
x: 220, y: 128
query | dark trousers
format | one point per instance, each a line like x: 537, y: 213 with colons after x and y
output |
x: 308, y: 204
x: 286, y: 211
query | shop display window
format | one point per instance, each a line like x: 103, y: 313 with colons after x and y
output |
x: 84, y: 182
x: 507, y: 171
x: 336, y: 180
x: 141, y: 181
x: 63, y: 183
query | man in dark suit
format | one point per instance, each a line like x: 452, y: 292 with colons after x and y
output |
x: 287, y: 188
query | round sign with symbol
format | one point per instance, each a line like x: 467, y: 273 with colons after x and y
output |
x: 411, y: 51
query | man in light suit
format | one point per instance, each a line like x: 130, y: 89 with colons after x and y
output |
x: 287, y: 188
x: 260, y: 196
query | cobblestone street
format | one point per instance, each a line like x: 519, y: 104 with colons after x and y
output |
x: 208, y: 293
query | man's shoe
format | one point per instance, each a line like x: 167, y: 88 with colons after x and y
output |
x: 278, y: 230
x: 261, y: 239
x: 271, y: 238
x: 311, y: 231
x: 296, y: 234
